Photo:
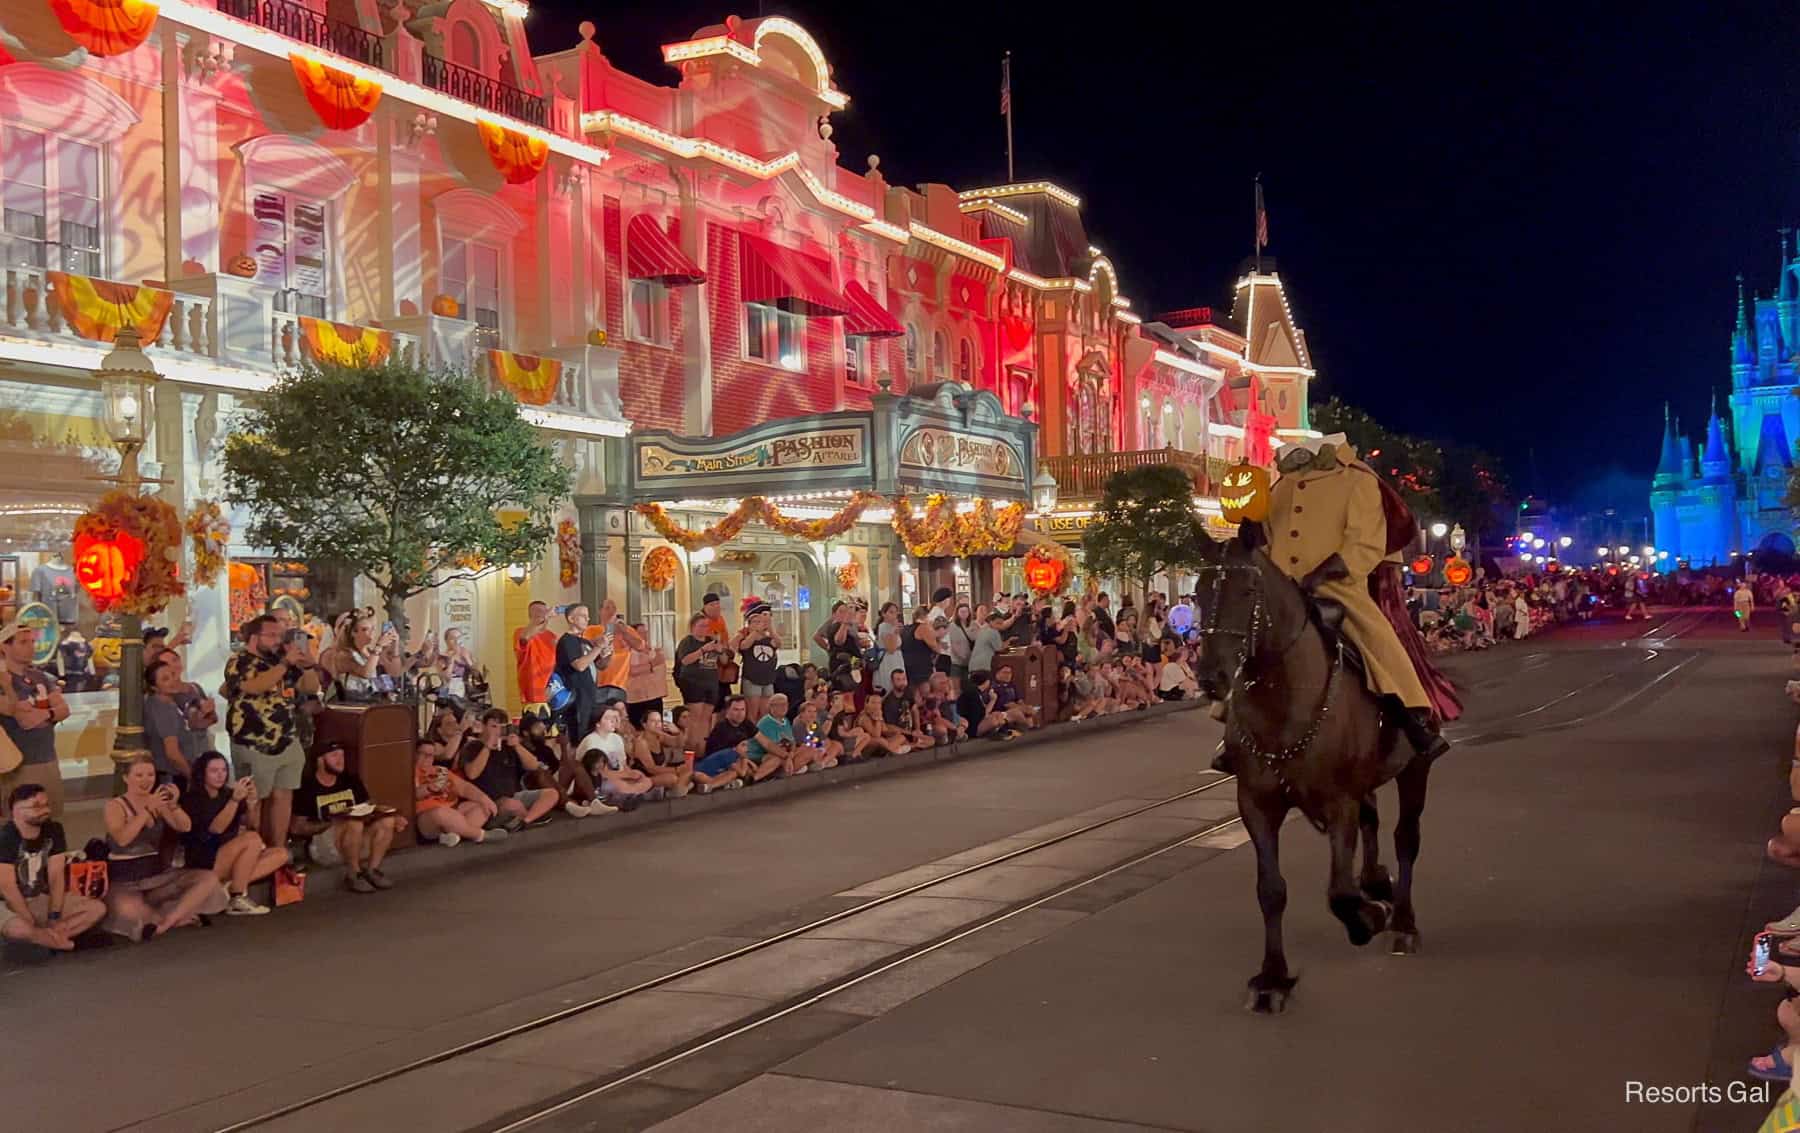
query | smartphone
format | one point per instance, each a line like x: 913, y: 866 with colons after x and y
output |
x: 1760, y: 955
x: 387, y: 627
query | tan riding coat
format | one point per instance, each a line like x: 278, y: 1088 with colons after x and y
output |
x: 1313, y: 514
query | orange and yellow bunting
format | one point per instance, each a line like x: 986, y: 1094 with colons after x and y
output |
x: 344, y: 344
x: 95, y: 309
x: 528, y: 377
x: 341, y: 100
x: 106, y: 27
x: 518, y: 156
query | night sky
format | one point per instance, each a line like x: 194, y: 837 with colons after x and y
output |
x: 1515, y: 227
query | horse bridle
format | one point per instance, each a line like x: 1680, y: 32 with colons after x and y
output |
x: 1249, y: 637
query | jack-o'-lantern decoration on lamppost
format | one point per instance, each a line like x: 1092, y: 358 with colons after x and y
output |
x: 1047, y: 569
x: 1458, y: 572
x: 1244, y: 493
x: 106, y: 563
x: 1421, y: 564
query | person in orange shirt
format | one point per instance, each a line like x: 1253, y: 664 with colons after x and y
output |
x: 534, y: 652
x: 614, y: 668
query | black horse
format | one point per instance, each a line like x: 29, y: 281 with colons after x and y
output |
x: 1303, y: 731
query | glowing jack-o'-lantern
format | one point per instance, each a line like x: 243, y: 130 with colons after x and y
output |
x: 1458, y: 572
x: 1244, y: 493
x: 1421, y: 564
x: 105, y: 566
x: 1045, y: 571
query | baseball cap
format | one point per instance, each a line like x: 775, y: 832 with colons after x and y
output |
x: 756, y: 608
x: 11, y: 630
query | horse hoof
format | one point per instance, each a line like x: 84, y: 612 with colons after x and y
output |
x: 1269, y: 1001
x: 1379, y: 887
x: 1368, y: 922
x: 1404, y: 944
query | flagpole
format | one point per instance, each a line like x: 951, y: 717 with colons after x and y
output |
x: 1256, y: 226
x: 1006, y: 90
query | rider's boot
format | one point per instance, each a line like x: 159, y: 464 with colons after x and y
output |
x: 1421, y: 729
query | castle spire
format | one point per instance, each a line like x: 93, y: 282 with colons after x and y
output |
x: 1716, y: 463
x: 1668, y: 463
x: 1742, y: 352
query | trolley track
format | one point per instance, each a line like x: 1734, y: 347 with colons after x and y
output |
x: 903, y: 954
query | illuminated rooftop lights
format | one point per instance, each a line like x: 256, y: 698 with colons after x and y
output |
x: 752, y: 54
x: 983, y: 203
x: 1025, y: 189
x: 517, y: 8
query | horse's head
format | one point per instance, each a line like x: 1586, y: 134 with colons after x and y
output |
x: 1241, y: 597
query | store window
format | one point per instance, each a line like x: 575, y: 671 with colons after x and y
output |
x: 965, y: 362
x: 471, y: 276
x: 50, y: 191
x: 292, y: 244
x: 649, y: 311
x: 856, y: 360
x: 774, y: 336
x: 912, y: 350
x: 940, y: 355
x: 659, y: 618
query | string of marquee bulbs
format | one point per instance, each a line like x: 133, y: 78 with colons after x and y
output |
x: 939, y: 532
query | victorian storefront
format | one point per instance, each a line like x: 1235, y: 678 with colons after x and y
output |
x: 922, y: 490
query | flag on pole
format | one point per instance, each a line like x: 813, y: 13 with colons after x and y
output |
x: 1262, y: 219
x: 1006, y: 84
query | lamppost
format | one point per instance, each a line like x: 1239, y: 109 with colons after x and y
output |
x: 1043, y: 491
x: 128, y: 395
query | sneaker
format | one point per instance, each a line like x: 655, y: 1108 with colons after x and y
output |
x: 682, y: 791
x: 448, y: 839
x: 804, y: 768
x: 575, y: 809
x: 357, y: 883
x: 601, y: 806
x: 242, y: 906
x: 902, y: 749
x: 497, y: 834
x: 378, y: 879
x: 735, y: 784
x: 707, y: 788
x: 513, y: 824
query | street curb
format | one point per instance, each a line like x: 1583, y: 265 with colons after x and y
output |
x: 430, y: 861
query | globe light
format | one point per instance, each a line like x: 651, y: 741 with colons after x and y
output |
x: 1524, y: 536
x: 1565, y: 541
x: 1605, y: 551
x: 1634, y: 560
x: 1624, y: 550
x: 1662, y: 554
x: 1537, y: 544
x: 704, y: 555
x: 1649, y: 552
x: 1439, y: 530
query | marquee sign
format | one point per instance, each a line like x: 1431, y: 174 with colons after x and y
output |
x: 824, y: 452
x: 823, y: 448
x: 941, y: 450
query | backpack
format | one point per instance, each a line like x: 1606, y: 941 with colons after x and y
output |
x: 557, y: 694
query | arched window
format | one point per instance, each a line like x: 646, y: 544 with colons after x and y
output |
x: 940, y: 354
x: 912, y: 350
x: 465, y: 46
x: 965, y: 362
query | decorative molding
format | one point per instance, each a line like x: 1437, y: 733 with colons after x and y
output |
x: 294, y: 165
x: 205, y: 61
x: 475, y: 215
x: 63, y: 102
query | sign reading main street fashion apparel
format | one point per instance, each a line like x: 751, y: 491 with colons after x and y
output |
x: 827, y: 448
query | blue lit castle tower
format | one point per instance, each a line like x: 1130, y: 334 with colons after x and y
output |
x: 1725, y: 497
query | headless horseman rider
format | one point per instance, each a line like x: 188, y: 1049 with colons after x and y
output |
x: 1327, y: 502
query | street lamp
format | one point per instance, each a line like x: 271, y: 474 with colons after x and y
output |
x: 1458, y: 539
x: 1439, y: 530
x: 1043, y: 491
x: 1565, y: 541
x: 1605, y: 551
x: 839, y: 558
x: 1649, y: 552
x: 1624, y: 550
x: 127, y: 382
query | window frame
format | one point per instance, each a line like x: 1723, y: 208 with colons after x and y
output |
x: 657, y: 308
x: 912, y: 349
x: 292, y: 202
x: 54, y: 249
x: 965, y: 361
x: 466, y: 307
x: 764, y: 326
x: 856, y: 361
x: 940, y: 355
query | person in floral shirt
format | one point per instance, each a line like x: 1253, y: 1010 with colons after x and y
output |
x: 263, y: 685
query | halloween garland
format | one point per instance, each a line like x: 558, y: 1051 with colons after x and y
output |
x: 982, y: 531
x: 849, y: 575
x: 660, y: 568
x: 208, y: 532
x: 128, y: 553
x: 568, y: 550
x: 759, y: 509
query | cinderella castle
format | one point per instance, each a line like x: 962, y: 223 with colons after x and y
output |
x: 1724, y: 496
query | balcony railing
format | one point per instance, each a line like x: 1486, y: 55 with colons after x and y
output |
x: 1083, y: 477
x: 472, y: 86
x: 296, y: 21
x: 29, y: 310
x: 288, y: 349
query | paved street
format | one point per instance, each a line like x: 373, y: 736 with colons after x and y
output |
x: 1590, y: 875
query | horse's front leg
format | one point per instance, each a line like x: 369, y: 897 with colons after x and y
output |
x: 1406, y: 848
x: 1362, y: 918
x: 1262, y: 817
x: 1376, y: 884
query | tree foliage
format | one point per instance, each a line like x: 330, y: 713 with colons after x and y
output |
x: 398, y: 471
x: 1145, y: 524
x: 1457, y: 483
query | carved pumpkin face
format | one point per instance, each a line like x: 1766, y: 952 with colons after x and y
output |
x: 1244, y: 493
x: 1458, y: 572
x: 108, y: 652
x: 447, y: 306
x: 106, y: 565
x: 1421, y: 564
x: 242, y: 266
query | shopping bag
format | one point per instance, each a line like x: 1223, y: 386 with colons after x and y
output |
x: 290, y: 886
x: 87, y: 879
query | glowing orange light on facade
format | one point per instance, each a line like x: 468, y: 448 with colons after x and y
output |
x: 518, y: 156
x: 105, y: 566
x: 1457, y: 572
x: 106, y: 27
x: 341, y: 100
x: 345, y: 345
x: 95, y: 309
x: 1421, y: 564
x: 529, y: 378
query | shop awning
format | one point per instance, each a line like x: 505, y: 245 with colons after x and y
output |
x: 791, y: 280
x: 651, y: 254
x: 867, y: 317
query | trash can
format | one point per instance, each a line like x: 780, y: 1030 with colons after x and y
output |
x: 380, y: 744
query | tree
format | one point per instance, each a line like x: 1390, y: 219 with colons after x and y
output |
x: 1145, y: 525
x: 401, y: 472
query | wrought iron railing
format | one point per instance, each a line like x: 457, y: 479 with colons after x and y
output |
x: 483, y: 90
x: 1084, y: 476
x: 297, y: 21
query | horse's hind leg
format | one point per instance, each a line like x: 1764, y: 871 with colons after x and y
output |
x: 1362, y: 918
x: 1406, y: 848
x: 1269, y: 988
x: 1376, y: 885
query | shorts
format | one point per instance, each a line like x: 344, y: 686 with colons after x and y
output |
x: 750, y: 688
x: 942, y: 664
x: 40, y: 907
x: 271, y: 772
x: 529, y: 798
x: 718, y: 762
